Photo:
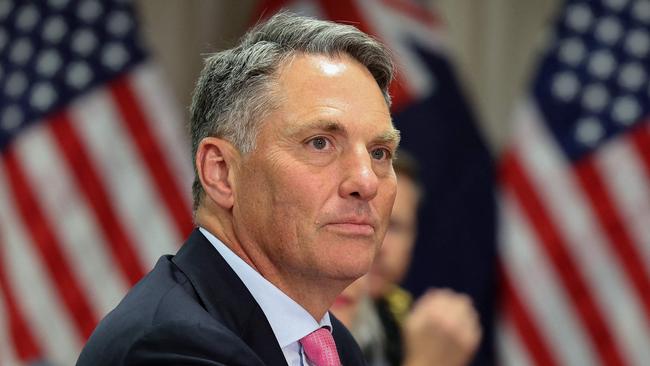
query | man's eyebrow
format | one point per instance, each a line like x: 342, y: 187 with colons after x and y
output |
x: 392, y: 136
x: 321, y: 124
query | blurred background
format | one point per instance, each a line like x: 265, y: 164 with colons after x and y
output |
x: 529, y: 119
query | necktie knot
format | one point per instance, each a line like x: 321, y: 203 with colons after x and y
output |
x: 320, y: 348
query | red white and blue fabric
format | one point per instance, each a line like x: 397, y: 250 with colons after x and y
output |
x: 94, y: 180
x: 575, y: 196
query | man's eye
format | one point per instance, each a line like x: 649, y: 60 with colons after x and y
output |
x: 380, y: 154
x: 319, y: 143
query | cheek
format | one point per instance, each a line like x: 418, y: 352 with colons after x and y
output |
x: 386, y: 199
x: 296, y: 198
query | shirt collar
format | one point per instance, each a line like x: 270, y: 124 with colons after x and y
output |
x: 289, y: 321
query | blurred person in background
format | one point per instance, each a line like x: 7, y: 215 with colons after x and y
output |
x: 440, y: 328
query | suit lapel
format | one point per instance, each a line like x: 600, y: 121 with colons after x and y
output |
x: 226, y: 297
x: 346, y: 346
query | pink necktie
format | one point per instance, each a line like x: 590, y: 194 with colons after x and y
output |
x: 320, y: 348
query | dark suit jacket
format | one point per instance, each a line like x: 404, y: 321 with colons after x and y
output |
x: 192, y: 309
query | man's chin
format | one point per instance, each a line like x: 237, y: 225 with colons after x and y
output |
x: 346, y: 273
x: 348, y: 259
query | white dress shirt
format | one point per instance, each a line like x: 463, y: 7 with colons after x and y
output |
x: 289, y: 321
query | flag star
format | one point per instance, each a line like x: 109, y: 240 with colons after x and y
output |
x: 21, y: 51
x: 625, y: 110
x: 641, y: 11
x: 579, y: 17
x: 27, y: 18
x: 84, y: 42
x: 637, y: 43
x: 42, y: 96
x: 595, y: 97
x: 54, y: 29
x: 89, y: 10
x: 565, y: 86
x: 632, y: 76
x: 608, y: 30
x: 16, y: 84
x: 589, y: 131
x: 12, y: 117
x: 114, y: 55
x: 601, y: 64
x: 572, y: 51
x: 5, y: 8
x: 78, y: 74
x: 119, y: 23
x: 48, y: 62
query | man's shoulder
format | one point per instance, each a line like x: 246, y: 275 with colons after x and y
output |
x: 172, y: 342
x: 160, y: 320
x: 158, y: 297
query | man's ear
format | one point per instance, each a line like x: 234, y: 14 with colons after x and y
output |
x: 215, y: 160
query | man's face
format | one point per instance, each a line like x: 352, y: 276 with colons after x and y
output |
x: 314, y: 197
x: 395, y: 255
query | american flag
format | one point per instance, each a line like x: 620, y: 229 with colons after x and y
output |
x: 575, y: 196
x: 94, y: 172
x: 456, y: 236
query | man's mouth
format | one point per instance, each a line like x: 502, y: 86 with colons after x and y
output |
x: 352, y: 228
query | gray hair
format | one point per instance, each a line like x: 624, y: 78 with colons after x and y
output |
x: 235, y: 88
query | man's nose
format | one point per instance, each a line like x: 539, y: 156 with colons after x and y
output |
x: 359, y: 177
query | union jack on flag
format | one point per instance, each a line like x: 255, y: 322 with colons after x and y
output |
x: 575, y: 196
x: 94, y: 179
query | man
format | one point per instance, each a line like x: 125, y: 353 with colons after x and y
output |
x: 442, y: 327
x: 293, y: 143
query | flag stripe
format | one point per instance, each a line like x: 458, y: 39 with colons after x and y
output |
x: 509, y: 348
x: 610, y: 220
x: 52, y: 325
x: 165, y: 122
x: 590, y: 314
x: 25, y: 345
x: 523, y: 322
x: 641, y: 139
x: 625, y: 178
x: 547, y: 302
x: 48, y: 248
x: 8, y: 354
x: 119, y: 165
x: 150, y: 152
x: 76, y: 156
x: 72, y: 218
